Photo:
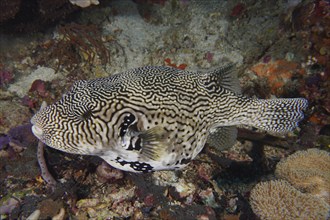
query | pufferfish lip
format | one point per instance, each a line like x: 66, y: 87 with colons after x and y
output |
x: 37, y: 131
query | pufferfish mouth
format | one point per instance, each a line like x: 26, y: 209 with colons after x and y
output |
x: 37, y: 131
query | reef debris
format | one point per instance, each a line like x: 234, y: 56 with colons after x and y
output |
x: 34, y: 215
x: 84, y: 3
x: 8, y: 205
x: 60, y: 215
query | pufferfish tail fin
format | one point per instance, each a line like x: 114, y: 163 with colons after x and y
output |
x: 278, y: 115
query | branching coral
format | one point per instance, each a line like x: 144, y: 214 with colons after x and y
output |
x: 279, y: 200
x: 308, y: 171
x: 77, y: 43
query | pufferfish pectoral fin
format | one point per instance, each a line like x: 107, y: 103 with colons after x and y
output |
x: 222, y: 138
x: 153, y: 143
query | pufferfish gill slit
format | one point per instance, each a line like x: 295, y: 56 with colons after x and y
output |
x: 158, y: 118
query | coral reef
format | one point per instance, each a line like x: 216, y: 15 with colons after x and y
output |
x: 12, y: 114
x: 308, y: 171
x: 279, y: 200
x: 238, y: 10
x: 120, y: 203
x: 314, y: 28
x: 23, y: 85
x: 8, y: 9
x: 286, y: 58
x: 22, y: 16
x: 314, y: 88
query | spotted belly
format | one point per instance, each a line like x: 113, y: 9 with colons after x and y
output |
x: 144, y: 167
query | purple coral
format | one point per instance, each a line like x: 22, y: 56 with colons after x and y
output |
x: 4, y: 141
x: 6, y: 77
x: 267, y: 59
x: 8, y: 206
x: 39, y: 86
x: 20, y: 136
x: 209, y: 56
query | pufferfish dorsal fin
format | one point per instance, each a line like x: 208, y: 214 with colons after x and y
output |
x: 222, y: 138
x: 225, y: 77
x: 153, y: 143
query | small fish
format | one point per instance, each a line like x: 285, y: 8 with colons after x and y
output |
x: 158, y: 118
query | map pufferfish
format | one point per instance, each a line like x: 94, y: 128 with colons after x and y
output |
x: 157, y: 118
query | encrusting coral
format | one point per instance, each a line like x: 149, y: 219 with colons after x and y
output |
x: 279, y: 200
x: 308, y: 171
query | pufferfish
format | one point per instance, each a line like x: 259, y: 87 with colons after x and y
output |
x: 157, y: 118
